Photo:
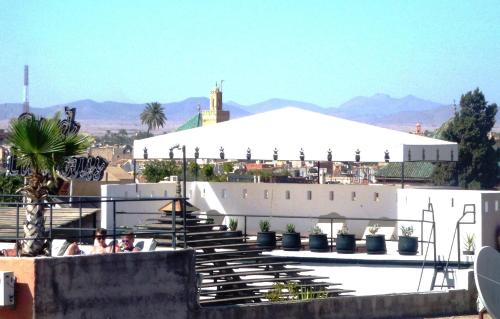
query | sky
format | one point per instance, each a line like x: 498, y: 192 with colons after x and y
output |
x: 322, y: 52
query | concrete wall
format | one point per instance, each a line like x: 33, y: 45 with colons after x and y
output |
x: 24, y: 271
x: 250, y: 198
x: 134, y: 285
x: 448, y: 208
x: 162, y: 285
x: 417, y: 305
x: 392, y: 202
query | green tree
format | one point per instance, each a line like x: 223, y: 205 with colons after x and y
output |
x: 477, y: 160
x: 153, y: 116
x: 227, y: 167
x: 193, y: 169
x: 40, y: 145
x: 10, y: 185
x: 156, y: 171
x: 208, y: 171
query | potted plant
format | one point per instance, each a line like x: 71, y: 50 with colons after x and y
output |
x: 233, y: 228
x: 345, y: 243
x: 266, y: 239
x: 291, y: 239
x: 375, y: 243
x: 470, y: 245
x: 318, y: 242
x: 407, y: 244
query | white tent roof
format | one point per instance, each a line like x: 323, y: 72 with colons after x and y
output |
x: 288, y: 130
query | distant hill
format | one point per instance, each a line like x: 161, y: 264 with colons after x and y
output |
x: 109, y: 111
x: 379, y: 109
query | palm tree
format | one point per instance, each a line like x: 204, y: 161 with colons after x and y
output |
x: 153, y: 116
x: 40, y: 145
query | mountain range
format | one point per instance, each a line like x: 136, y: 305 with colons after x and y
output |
x: 379, y: 109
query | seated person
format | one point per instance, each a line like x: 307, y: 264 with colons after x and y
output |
x: 127, y: 243
x: 100, y: 246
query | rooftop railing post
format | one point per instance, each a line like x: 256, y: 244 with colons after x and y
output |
x: 114, y: 225
x: 134, y: 163
x: 331, y: 234
x: 50, y: 221
x: 245, y: 229
x: 17, y: 221
x: 80, y: 220
x: 184, y: 192
x: 174, y: 225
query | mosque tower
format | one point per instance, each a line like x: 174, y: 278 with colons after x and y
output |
x: 215, y: 114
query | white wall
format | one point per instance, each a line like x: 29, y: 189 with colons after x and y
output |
x: 133, y: 191
x: 448, y: 208
x: 227, y: 198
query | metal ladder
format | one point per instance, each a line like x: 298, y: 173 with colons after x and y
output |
x: 444, y: 268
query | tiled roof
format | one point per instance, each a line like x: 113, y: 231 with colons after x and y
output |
x: 413, y: 170
x: 193, y: 122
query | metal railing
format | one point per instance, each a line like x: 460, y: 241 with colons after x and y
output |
x: 52, y: 232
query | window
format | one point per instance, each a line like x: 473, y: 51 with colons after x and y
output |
x: 244, y: 194
x: 309, y: 195
x: 165, y: 194
x: 496, y: 206
x: 266, y: 194
x: 126, y: 194
x: 486, y: 208
x: 287, y: 195
x: 224, y: 193
x: 353, y: 196
x: 332, y: 195
x: 376, y: 196
x: 203, y: 193
x: 452, y: 202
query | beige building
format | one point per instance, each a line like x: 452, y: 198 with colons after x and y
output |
x: 215, y: 114
x: 112, y: 153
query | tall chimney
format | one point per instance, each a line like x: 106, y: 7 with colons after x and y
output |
x: 26, y: 104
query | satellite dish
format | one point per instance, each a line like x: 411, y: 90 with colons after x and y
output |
x: 487, y: 279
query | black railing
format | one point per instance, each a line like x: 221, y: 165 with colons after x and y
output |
x: 18, y: 206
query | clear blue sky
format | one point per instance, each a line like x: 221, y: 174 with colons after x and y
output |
x: 324, y: 52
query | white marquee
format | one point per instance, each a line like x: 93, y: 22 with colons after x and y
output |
x: 288, y: 130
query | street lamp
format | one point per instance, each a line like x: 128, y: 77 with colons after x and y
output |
x: 196, y: 156
x: 184, y: 168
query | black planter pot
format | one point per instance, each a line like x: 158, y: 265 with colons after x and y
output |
x: 236, y: 234
x: 407, y: 245
x: 291, y: 241
x: 232, y: 233
x: 318, y: 243
x: 266, y: 240
x: 346, y: 244
x: 375, y: 244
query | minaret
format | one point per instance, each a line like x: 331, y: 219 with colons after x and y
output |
x: 216, y: 99
x: 215, y: 114
x: 26, y: 104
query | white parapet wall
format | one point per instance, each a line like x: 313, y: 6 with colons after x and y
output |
x: 448, y: 206
x: 262, y: 199
x: 312, y: 200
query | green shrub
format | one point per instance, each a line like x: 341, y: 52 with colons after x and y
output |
x: 264, y: 225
